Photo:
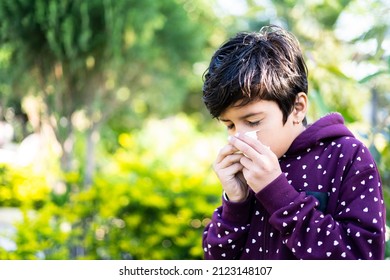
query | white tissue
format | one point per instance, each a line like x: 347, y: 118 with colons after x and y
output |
x: 252, y: 134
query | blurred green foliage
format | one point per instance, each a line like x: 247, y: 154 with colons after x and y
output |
x: 22, y: 186
x: 151, y: 200
x: 95, y: 58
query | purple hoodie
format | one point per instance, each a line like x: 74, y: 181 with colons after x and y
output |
x: 327, y: 204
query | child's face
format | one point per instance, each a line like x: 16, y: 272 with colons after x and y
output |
x: 267, y: 118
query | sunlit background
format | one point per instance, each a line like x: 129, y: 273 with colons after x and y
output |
x: 105, y: 146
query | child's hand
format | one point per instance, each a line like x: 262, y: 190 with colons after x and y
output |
x: 228, y: 168
x: 260, y: 165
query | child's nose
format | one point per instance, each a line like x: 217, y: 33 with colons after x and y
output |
x: 240, y: 129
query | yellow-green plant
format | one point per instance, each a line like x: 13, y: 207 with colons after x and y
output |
x: 150, y: 200
x: 22, y: 185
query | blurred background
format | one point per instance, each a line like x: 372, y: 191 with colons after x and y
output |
x: 105, y: 146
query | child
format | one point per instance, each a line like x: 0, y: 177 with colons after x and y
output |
x: 298, y: 191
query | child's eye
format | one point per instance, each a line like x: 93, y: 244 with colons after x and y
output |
x: 254, y: 123
x: 229, y: 127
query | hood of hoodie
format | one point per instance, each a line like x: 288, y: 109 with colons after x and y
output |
x: 325, y: 129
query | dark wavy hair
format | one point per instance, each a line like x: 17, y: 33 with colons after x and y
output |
x: 264, y: 65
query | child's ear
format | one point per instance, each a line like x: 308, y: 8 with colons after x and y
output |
x: 300, y: 106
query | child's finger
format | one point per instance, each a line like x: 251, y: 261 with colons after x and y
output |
x: 242, y: 146
x: 225, y: 151
x: 229, y: 160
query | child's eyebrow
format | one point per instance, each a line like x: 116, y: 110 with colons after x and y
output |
x: 223, y: 120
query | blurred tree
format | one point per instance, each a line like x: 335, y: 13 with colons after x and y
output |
x: 371, y: 63
x: 89, y: 59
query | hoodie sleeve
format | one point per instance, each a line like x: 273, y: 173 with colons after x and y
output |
x: 354, y: 229
x: 224, y: 237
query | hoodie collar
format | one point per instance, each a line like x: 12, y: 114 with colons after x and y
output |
x: 328, y: 127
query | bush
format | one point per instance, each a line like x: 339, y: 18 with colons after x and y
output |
x: 150, y: 200
x: 22, y: 185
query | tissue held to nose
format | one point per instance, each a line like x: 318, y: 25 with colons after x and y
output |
x: 251, y: 134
